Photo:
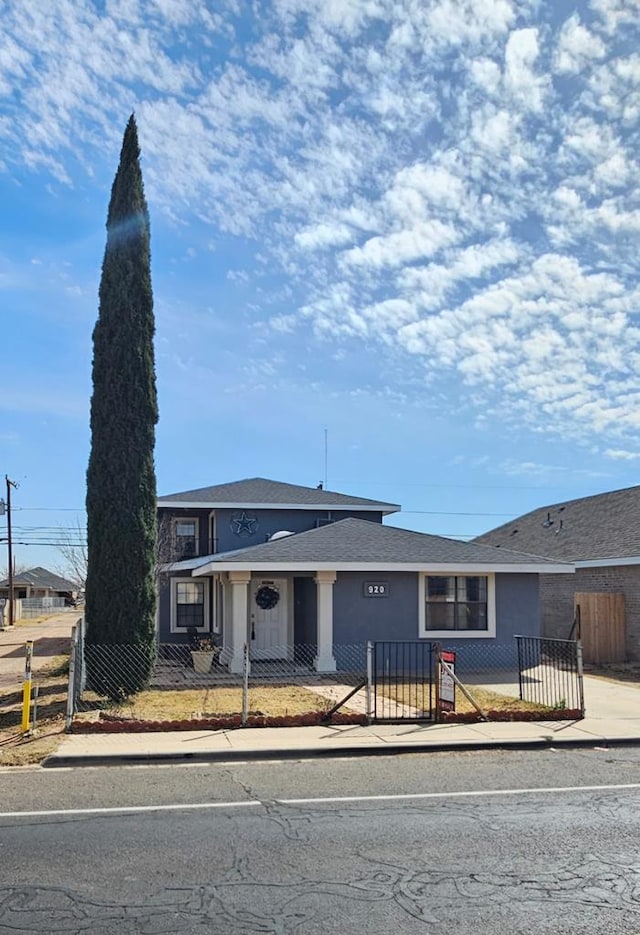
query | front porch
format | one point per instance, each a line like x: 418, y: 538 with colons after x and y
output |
x: 296, y: 666
x: 285, y: 620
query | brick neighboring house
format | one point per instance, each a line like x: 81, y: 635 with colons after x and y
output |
x: 600, y: 534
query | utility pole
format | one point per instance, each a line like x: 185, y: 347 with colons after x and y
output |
x: 10, y: 484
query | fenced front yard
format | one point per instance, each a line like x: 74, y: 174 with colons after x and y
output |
x: 383, y: 681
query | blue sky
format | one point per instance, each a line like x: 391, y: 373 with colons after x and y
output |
x: 411, y: 222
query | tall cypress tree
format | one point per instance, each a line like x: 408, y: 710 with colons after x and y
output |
x: 121, y: 484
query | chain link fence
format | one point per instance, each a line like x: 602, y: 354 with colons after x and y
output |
x: 482, y: 657
x: 30, y: 608
x: 183, y: 682
x: 176, y: 682
x: 41, y: 606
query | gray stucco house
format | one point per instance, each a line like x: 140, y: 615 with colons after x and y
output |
x: 39, y: 582
x: 600, y: 536
x: 284, y: 566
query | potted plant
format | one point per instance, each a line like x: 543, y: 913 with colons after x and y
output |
x: 203, y: 649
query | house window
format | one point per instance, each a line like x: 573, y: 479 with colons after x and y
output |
x: 458, y: 604
x: 185, y: 536
x: 188, y: 605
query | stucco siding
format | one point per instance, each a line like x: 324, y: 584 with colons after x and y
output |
x: 267, y: 523
x: 358, y: 618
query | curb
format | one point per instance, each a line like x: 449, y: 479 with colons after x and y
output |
x: 308, y: 753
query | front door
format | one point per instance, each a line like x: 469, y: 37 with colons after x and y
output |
x: 269, y: 618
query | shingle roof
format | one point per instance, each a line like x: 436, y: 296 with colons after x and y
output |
x: 41, y: 578
x: 260, y: 490
x: 361, y: 541
x: 605, y: 525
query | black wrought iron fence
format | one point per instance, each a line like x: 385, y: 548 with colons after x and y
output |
x: 550, y: 672
x: 401, y: 675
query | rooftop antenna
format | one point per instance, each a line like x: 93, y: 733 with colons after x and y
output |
x: 326, y: 455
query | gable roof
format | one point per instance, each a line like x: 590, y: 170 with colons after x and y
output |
x: 259, y: 492
x: 356, y: 544
x: 601, y: 526
x: 39, y: 577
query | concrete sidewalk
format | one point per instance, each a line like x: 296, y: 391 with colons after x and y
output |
x: 613, y: 717
x: 306, y: 742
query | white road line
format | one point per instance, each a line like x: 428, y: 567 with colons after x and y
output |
x: 474, y: 793
x: 329, y: 800
x: 129, y: 809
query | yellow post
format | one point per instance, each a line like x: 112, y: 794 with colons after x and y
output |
x: 26, y: 688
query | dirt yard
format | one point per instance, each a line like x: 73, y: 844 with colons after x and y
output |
x: 49, y: 668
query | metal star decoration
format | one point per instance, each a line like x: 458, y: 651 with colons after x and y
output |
x: 244, y: 525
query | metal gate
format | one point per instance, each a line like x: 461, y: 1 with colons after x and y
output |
x: 401, y: 678
x: 550, y: 672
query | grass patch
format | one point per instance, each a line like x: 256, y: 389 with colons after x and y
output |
x: 159, y: 705
x: 18, y: 751
x: 34, y: 621
x: 495, y: 701
x: 411, y: 694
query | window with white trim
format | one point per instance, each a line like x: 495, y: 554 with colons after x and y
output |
x: 189, y: 605
x: 457, y: 605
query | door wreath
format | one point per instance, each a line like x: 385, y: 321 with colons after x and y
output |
x: 267, y: 597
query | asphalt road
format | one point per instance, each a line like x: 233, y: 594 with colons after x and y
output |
x: 485, y: 843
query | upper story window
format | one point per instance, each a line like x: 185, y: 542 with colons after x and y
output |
x: 185, y: 538
x: 458, y: 604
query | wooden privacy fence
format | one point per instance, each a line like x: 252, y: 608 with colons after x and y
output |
x: 602, y: 626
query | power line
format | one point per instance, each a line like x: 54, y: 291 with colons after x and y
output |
x: 390, y: 483
x: 70, y: 545
x: 50, y: 509
x: 452, y: 513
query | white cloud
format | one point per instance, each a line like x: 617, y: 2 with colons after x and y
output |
x: 616, y: 13
x: 420, y: 241
x: 323, y: 235
x: 577, y: 46
x: 520, y: 78
x: 540, y: 470
x: 621, y: 454
x: 410, y: 171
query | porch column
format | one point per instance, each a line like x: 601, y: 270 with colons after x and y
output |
x: 239, y: 609
x: 324, y: 661
x: 225, y: 620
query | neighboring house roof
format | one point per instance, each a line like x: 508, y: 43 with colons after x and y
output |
x: 589, y: 529
x: 40, y: 578
x: 353, y: 544
x: 258, y: 492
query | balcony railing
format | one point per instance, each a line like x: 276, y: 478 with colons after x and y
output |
x: 183, y: 548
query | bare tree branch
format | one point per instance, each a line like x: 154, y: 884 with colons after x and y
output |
x: 74, y: 554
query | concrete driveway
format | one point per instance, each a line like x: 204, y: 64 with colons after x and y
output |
x: 607, y: 699
x: 602, y: 698
x: 50, y: 639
